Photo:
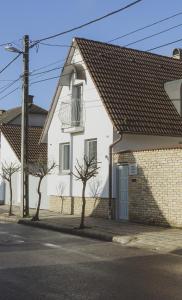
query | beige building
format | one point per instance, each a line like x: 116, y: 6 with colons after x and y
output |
x: 154, y: 185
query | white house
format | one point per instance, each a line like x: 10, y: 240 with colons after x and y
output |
x: 10, y: 151
x: 107, y: 95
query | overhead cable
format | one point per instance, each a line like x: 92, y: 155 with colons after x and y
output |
x: 155, y: 34
x: 10, y: 63
x: 164, y: 45
x: 87, y: 23
x: 144, y: 27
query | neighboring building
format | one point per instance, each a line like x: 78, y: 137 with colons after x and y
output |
x: 37, y: 115
x: 10, y: 149
x: 11, y: 153
x: 106, y: 92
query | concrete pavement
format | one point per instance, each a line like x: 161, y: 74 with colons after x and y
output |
x: 164, y: 240
x: 154, y: 238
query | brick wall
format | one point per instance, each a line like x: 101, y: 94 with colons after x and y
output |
x: 67, y: 205
x: 155, y: 193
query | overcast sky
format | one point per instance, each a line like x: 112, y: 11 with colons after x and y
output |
x: 40, y: 18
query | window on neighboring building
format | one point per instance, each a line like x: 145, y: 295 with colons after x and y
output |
x: 91, y: 149
x: 64, y: 157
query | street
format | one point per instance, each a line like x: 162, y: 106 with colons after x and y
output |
x: 40, y: 264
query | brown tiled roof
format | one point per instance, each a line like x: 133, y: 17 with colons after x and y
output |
x: 131, y: 85
x: 9, y: 115
x: 35, y: 150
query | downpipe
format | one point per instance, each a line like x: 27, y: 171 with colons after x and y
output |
x: 110, y: 212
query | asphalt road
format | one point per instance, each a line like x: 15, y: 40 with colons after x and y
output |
x: 38, y: 264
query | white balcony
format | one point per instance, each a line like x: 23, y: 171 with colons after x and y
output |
x: 71, y: 115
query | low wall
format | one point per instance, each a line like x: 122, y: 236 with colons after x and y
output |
x: 155, y: 193
x: 73, y: 205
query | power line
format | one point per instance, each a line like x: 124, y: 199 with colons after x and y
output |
x: 155, y: 34
x: 3, y: 89
x: 56, y: 68
x: 46, y: 79
x: 87, y: 23
x: 54, y: 77
x: 56, y: 45
x: 10, y: 63
x: 144, y: 27
x: 44, y: 72
x: 164, y: 45
x: 45, y: 66
x: 9, y: 93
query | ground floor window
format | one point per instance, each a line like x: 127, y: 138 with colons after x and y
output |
x: 64, y: 157
x: 91, y: 149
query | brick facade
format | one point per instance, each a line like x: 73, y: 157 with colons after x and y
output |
x: 155, y: 193
x: 67, y: 205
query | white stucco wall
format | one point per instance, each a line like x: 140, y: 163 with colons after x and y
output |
x: 96, y: 125
x: 8, y: 156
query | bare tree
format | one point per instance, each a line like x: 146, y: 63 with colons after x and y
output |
x: 85, y: 172
x: 7, y: 171
x: 39, y: 169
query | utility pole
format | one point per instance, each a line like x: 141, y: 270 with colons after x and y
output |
x: 24, y: 130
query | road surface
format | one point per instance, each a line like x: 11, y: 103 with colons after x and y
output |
x: 39, y: 264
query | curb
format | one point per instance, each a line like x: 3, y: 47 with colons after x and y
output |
x: 83, y: 233
x: 9, y: 219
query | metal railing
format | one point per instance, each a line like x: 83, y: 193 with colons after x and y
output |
x: 71, y: 113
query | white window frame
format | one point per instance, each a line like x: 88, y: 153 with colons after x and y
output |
x: 62, y: 170
x: 87, y: 147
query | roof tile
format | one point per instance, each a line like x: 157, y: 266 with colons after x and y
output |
x: 131, y: 85
x: 35, y: 150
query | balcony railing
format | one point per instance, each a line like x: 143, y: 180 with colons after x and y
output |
x: 71, y: 113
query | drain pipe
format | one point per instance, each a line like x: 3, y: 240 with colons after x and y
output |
x: 110, y: 173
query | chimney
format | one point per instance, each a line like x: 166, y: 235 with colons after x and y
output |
x: 177, y: 53
x: 2, y: 111
x: 30, y: 99
x: 174, y: 91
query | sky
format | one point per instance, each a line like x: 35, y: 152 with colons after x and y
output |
x: 40, y: 18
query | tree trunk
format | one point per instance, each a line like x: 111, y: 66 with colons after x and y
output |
x: 10, y: 198
x: 36, y: 216
x: 82, y: 223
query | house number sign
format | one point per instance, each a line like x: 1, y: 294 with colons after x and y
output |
x: 133, y: 170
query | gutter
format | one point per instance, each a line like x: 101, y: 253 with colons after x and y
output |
x: 110, y: 212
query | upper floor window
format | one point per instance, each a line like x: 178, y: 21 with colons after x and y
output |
x: 64, y: 157
x: 76, y: 105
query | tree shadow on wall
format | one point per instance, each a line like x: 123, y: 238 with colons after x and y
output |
x: 146, y: 203
x: 144, y: 196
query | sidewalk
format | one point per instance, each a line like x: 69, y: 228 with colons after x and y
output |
x: 130, y: 234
